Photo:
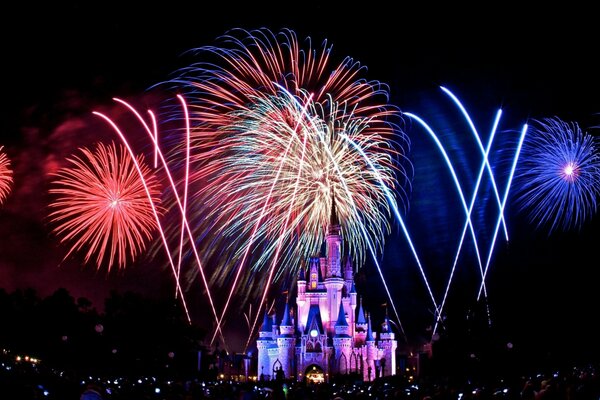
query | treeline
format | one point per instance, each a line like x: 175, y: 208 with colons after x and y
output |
x: 134, y: 335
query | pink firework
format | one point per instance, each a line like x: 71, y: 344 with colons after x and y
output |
x: 103, y: 204
x: 6, y: 174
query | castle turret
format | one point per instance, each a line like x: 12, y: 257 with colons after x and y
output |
x: 360, y: 326
x: 388, y: 344
x: 286, y: 343
x: 348, y: 274
x: 372, y: 353
x: 263, y: 343
x: 314, y: 273
x: 301, y: 283
x: 286, y: 327
x: 341, y: 325
x: 301, y: 302
x: 342, y: 342
x: 353, y: 304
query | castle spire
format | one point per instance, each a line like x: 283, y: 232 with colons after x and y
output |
x: 341, y: 321
x: 361, y: 314
x: 286, y: 321
x: 266, y: 325
x: 333, y: 217
x: 369, y: 332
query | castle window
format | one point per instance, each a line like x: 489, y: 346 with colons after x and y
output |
x: 313, y: 346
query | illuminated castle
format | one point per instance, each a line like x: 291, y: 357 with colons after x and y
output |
x: 330, y: 335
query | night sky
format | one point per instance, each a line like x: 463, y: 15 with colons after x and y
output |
x: 63, y: 61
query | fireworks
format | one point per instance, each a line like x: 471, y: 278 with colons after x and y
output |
x: 274, y: 140
x: 558, y: 179
x: 101, y: 204
x: 6, y: 173
x: 480, y: 230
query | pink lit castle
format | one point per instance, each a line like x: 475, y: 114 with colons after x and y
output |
x: 329, y: 336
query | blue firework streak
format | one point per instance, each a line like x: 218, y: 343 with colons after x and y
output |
x: 558, y: 179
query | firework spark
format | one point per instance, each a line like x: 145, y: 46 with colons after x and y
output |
x: 6, y: 175
x: 267, y: 141
x: 558, y: 179
x: 101, y: 204
x: 271, y: 130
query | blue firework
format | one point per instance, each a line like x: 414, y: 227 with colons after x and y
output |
x: 558, y: 178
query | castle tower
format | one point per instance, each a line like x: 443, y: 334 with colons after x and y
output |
x: 348, y: 275
x: 301, y: 302
x: 372, y: 354
x: 263, y: 343
x: 314, y: 273
x: 352, y: 314
x: 334, y: 282
x: 286, y: 343
x: 388, y: 344
x: 361, y: 326
x: 342, y: 342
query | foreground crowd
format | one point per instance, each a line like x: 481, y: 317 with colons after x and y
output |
x: 30, y: 382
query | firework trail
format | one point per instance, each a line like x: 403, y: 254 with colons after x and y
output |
x: 468, y: 206
x: 6, y: 175
x: 558, y: 179
x: 503, y: 205
x: 152, y: 132
x: 269, y: 154
x: 100, y: 203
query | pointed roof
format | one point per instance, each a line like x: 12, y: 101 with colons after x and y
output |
x: 314, y: 320
x: 266, y: 325
x: 333, y: 217
x: 286, y: 321
x: 369, y: 337
x: 361, y: 314
x: 341, y: 321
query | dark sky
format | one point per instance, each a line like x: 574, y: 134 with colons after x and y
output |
x: 61, y: 61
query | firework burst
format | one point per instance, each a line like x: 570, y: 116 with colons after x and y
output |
x: 101, y: 204
x: 274, y: 139
x: 6, y: 175
x: 558, y: 179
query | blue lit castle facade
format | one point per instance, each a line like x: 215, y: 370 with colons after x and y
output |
x: 330, y: 334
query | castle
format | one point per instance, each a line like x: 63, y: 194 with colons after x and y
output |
x: 330, y: 336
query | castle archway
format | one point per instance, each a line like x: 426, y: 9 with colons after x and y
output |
x: 314, y: 374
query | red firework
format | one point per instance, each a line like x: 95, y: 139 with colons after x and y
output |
x: 6, y: 174
x: 104, y: 202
